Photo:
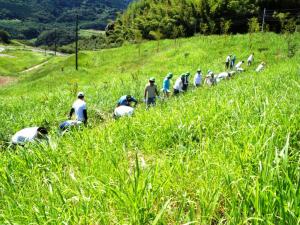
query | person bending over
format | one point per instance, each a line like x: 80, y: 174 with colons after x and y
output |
x: 126, y: 100
x: 29, y: 134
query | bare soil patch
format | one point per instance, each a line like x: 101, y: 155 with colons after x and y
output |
x: 6, y: 80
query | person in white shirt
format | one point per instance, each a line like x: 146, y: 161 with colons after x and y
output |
x: 227, y: 61
x: 222, y: 76
x: 239, y: 66
x: 79, y: 108
x: 250, y: 59
x: 123, y: 111
x: 210, y: 79
x: 198, y: 78
x: 178, y: 85
x: 29, y: 134
x: 260, y: 67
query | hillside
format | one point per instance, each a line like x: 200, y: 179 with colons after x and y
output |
x: 26, y: 19
x: 184, y: 18
x: 15, y: 59
x: 222, y: 155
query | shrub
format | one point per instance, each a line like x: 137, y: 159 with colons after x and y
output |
x: 4, y: 37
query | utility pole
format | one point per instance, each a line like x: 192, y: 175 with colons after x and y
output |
x: 263, y: 23
x: 55, y: 42
x: 76, y: 42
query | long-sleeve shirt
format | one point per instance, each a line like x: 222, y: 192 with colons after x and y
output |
x: 250, y: 58
x: 26, y: 135
x: 239, y: 65
x: 259, y: 68
x: 178, y: 84
x: 197, y: 78
x: 79, y: 107
x: 126, y: 102
x: 227, y: 59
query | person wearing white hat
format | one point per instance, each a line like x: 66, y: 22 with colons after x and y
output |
x: 250, y: 59
x: 210, y: 78
x: 198, y: 78
x: 238, y: 66
x: 79, y: 108
x: 151, y: 92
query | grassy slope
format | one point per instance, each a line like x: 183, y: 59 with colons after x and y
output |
x: 89, y: 33
x: 228, y: 153
x: 22, y: 60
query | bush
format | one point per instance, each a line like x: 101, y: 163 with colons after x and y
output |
x: 62, y: 37
x: 4, y: 37
x: 30, y: 32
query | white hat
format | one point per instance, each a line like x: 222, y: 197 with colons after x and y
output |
x: 80, y: 94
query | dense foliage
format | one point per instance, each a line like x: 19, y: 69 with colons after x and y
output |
x: 155, y: 19
x: 27, y: 18
x: 4, y: 37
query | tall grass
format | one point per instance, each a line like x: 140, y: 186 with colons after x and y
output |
x: 222, y: 155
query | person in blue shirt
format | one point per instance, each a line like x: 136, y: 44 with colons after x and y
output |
x: 126, y: 100
x: 166, y: 85
x: 232, y: 62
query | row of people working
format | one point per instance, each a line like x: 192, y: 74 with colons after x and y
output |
x: 126, y: 104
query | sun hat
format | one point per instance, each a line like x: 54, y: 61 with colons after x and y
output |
x: 80, y: 94
x: 170, y: 75
x: 152, y: 79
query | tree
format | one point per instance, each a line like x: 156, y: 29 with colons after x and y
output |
x: 225, y: 25
x: 62, y: 37
x: 253, y: 25
x: 157, y: 35
x: 203, y: 28
x: 4, y: 37
x: 138, y: 38
x: 287, y: 23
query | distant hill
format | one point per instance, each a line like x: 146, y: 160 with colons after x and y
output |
x: 27, y: 18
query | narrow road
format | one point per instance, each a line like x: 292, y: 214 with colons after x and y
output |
x: 34, y: 67
x: 2, y: 49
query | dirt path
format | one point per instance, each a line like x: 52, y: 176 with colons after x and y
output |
x: 6, y: 80
x: 34, y: 67
x: 2, y: 49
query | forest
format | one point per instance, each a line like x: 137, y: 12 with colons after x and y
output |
x: 156, y: 19
x: 27, y: 19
